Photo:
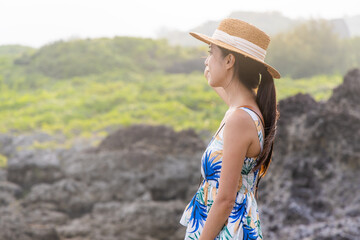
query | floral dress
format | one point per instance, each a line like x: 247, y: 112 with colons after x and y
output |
x: 243, y: 221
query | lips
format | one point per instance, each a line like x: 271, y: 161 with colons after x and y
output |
x: 206, y: 71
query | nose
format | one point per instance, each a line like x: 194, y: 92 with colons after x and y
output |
x: 206, y: 61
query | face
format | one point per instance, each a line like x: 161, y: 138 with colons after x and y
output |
x: 215, y: 67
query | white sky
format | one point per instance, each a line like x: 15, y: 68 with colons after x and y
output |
x: 37, y: 22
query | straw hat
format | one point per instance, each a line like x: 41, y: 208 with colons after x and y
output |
x: 241, y: 37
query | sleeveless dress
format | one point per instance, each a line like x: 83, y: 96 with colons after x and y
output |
x: 243, y: 221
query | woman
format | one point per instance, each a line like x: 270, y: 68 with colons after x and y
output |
x: 239, y: 154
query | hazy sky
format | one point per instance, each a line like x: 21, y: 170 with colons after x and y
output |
x: 37, y: 22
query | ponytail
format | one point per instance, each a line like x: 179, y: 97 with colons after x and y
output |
x: 266, y: 100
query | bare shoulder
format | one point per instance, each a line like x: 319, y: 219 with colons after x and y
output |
x: 239, y: 125
x: 239, y: 119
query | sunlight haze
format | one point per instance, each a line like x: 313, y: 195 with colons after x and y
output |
x: 35, y: 23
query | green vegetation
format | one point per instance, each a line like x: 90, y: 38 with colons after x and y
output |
x: 81, y: 57
x: 319, y: 87
x: 312, y: 48
x: 88, y: 87
x: 3, y: 161
x: 82, y: 105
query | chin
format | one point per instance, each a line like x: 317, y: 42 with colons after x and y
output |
x: 212, y: 84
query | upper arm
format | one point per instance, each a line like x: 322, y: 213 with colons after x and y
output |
x: 237, y: 139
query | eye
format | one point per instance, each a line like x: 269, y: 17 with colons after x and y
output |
x: 209, y: 52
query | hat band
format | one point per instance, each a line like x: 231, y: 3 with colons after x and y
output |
x: 240, y: 43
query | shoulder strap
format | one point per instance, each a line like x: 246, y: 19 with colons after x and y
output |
x: 260, y: 117
x: 259, y: 136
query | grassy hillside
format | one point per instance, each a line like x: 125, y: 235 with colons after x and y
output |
x: 83, y: 88
x: 81, y: 105
x: 81, y: 57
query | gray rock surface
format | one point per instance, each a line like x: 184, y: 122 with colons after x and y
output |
x: 311, y: 190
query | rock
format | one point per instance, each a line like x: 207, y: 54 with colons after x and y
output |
x: 172, y: 179
x: 7, y: 146
x: 11, y: 188
x: 3, y: 174
x: 40, y: 232
x: 68, y: 195
x: 126, y: 221
x: 45, y: 214
x: 160, y: 139
x: 297, y: 214
x: 13, y: 225
x: 315, y: 167
x: 129, y: 174
x: 346, y: 96
x: 295, y: 106
x: 5, y: 199
x: 27, y: 168
x: 76, y: 229
x: 13, y: 144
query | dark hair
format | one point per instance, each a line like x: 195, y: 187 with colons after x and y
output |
x: 248, y: 72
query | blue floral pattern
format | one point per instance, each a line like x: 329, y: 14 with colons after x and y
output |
x: 243, y: 221
x: 198, y: 212
x: 211, y: 168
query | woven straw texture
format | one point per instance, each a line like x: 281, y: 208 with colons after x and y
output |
x: 239, y: 28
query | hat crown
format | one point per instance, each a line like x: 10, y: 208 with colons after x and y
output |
x: 241, y: 37
x: 241, y: 29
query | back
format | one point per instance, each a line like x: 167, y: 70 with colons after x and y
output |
x: 244, y: 218
x: 214, y: 152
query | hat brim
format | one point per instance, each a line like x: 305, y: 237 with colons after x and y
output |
x: 202, y: 37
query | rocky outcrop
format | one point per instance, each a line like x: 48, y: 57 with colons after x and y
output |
x: 310, y: 191
x: 161, y: 139
x: 112, y: 191
x: 38, y: 168
x: 137, y: 181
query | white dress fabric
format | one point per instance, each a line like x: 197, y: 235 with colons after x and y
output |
x: 243, y: 221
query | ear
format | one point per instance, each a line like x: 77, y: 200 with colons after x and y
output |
x: 230, y: 61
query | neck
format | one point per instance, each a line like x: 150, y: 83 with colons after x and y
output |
x: 238, y: 94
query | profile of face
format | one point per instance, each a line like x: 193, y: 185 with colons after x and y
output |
x: 215, y: 68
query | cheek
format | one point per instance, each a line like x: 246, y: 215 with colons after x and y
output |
x: 215, y: 69
x: 212, y: 65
